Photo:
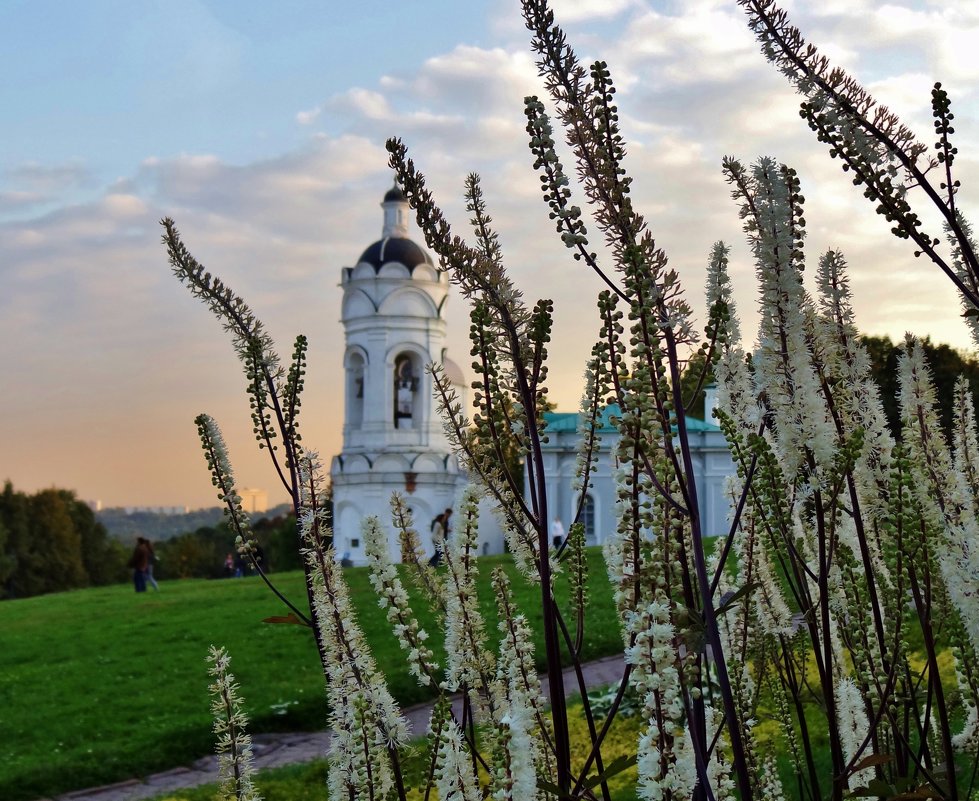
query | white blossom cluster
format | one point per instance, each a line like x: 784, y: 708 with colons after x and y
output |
x: 783, y: 364
x: 858, y: 396
x: 517, y: 681
x: 515, y: 776
x: 365, y: 719
x: 949, y: 509
x: 223, y: 478
x: 391, y: 595
x: 666, y: 761
x: 236, y: 764
x: 735, y: 391
x: 590, y: 440
x: 468, y: 663
x: 455, y: 778
x: 853, y: 726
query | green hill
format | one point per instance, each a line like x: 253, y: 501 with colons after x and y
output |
x: 101, y: 684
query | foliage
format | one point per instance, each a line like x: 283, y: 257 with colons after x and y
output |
x: 196, y: 554
x: 202, y: 553
x: 946, y: 364
x: 847, y: 545
x: 50, y: 541
x: 697, y: 374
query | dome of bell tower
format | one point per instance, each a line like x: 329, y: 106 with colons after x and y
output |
x: 394, y: 246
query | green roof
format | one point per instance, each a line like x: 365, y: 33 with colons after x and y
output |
x: 567, y: 422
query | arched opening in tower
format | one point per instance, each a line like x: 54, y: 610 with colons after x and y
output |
x: 405, y: 391
x: 355, y: 390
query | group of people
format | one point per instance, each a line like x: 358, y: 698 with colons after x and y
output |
x: 236, y: 565
x: 142, y: 564
x: 440, y: 534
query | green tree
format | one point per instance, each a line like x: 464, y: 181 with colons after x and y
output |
x: 55, y: 557
x: 946, y: 364
x: 197, y: 554
x: 103, y: 557
x: 15, y: 515
x: 693, y: 383
x: 6, y: 557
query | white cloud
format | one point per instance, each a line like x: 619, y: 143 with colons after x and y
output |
x: 50, y: 179
x: 309, y: 116
x: 11, y: 201
x: 570, y: 12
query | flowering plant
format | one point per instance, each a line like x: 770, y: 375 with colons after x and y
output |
x: 848, y: 579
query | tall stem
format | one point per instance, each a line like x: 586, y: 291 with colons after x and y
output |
x: 703, y: 580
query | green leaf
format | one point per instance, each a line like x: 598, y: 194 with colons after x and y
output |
x: 734, y: 597
x: 876, y: 788
x: 613, y: 768
x: 872, y: 761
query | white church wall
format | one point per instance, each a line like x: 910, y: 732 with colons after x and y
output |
x: 712, y: 465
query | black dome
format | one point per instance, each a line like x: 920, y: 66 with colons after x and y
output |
x: 397, y: 249
x: 395, y: 195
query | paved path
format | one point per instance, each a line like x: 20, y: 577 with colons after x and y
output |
x: 275, y: 750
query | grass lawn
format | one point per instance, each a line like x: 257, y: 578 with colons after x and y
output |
x: 101, y: 685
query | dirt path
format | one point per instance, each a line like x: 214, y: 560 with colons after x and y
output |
x: 275, y: 750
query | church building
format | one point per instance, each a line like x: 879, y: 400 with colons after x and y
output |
x: 393, y: 315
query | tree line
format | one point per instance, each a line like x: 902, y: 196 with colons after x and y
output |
x: 202, y: 553
x: 51, y: 542
x: 945, y: 362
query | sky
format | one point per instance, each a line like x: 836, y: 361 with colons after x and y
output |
x: 260, y: 129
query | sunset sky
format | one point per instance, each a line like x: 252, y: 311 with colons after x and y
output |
x: 260, y: 128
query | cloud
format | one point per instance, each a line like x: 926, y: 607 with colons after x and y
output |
x: 11, y: 201
x: 577, y: 11
x: 35, y: 186
x: 50, y: 179
x: 308, y: 116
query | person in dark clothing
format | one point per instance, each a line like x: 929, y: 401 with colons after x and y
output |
x: 151, y: 560
x: 139, y: 562
x: 438, y: 539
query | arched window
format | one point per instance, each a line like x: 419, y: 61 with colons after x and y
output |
x: 588, y: 520
x: 405, y: 392
x: 356, y: 375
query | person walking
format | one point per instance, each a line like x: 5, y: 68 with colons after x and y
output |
x: 438, y: 539
x: 139, y: 562
x: 149, y: 565
x: 557, y: 533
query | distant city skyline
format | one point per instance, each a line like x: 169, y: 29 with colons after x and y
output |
x: 261, y: 131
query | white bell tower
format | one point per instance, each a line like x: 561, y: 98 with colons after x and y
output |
x: 394, y: 326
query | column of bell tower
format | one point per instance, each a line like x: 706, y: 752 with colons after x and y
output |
x: 394, y: 327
